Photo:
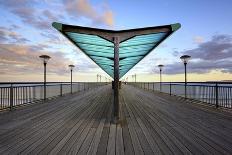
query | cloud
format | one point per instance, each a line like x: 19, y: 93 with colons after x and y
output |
x: 7, y: 35
x: 21, y: 59
x: 198, y: 39
x: 215, y: 54
x: 219, y: 47
x: 29, y: 14
x: 82, y: 8
x: 40, y: 20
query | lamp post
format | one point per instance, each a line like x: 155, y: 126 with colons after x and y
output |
x: 185, y: 59
x: 45, y: 59
x: 160, y: 67
x: 71, y: 68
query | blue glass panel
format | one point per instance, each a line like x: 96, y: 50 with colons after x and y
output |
x: 86, y: 38
x: 101, y: 51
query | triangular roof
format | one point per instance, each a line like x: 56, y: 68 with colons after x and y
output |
x: 98, y: 44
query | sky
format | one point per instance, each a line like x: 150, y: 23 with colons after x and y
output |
x: 26, y: 33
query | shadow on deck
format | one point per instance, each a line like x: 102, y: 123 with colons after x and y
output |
x: 151, y: 123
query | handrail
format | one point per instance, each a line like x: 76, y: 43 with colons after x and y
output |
x: 218, y: 94
x: 13, y: 94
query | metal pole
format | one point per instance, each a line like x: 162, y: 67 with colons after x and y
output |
x: 135, y: 78
x: 170, y: 93
x: 185, y: 85
x: 216, y: 94
x: 116, y: 78
x: 160, y: 80
x: 71, y: 81
x: 45, y: 80
x: 61, y: 89
x: 11, y: 97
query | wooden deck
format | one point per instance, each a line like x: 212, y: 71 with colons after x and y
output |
x: 152, y: 123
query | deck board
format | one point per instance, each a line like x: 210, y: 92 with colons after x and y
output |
x: 150, y: 123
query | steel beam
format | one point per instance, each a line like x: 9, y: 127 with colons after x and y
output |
x: 116, y: 78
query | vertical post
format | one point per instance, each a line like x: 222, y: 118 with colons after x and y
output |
x: 160, y: 80
x: 185, y: 83
x: 71, y: 80
x: 116, y: 78
x: 61, y: 93
x: 33, y: 92
x: 170, y: 92
x: 45, y: 81
x: 11, y: 96
x: 216, y: 94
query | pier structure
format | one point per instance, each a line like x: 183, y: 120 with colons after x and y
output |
x: 132, y: 118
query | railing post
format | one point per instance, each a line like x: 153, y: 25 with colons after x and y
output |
x: 61, y: 93
x: 216, y: 94
x: 34, y: 93
x: 11, y: 96
x: 170, y: 91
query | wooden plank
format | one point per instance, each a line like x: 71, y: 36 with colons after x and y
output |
x: 102, y: 147
x: 83, y: 135
x: 111, y: 141
x: 59, y: 146
x: 127, y: 142
x: 94, y: 145
x: 119, y: 141
x: 135, y: 141
x: 143, y: 141
x: 85, y: 146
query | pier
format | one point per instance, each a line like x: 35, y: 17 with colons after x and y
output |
x: 150, y: 123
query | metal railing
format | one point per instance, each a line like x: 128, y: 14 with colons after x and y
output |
x: 14, y: 94
x: 214, y: 93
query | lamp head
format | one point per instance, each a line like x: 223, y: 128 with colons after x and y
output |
x: 71, y: 66
x: 185, y: 58
x: 45, y: 58
x: 160, y: 66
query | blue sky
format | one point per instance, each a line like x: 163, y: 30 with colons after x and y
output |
x: 26, y: 32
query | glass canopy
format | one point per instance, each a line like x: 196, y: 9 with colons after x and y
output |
x: 98, y: 44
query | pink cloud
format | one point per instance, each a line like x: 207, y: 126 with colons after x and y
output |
x: 83, y: 8
x: 24, y: 59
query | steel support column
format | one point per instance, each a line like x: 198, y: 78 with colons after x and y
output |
x: 185, y: 81
x: 116, y: 78
x: 45, y: 81
x: 71, y: 81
